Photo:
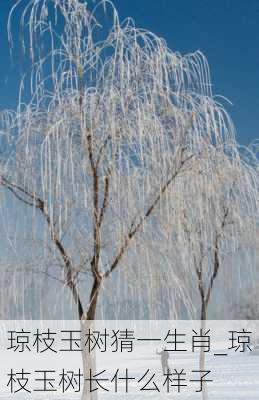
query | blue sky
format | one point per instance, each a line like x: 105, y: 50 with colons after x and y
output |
x: 226, y: 31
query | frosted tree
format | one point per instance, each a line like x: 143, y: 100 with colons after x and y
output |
x: 221, y: 220
x: 111, y: 126
x: 218, y: 208
x: 114, y: 120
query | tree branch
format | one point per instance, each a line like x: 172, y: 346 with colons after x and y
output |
x: 37, y: 202
x: 134, y: 230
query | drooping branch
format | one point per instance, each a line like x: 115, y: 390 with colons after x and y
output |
x: 35, y: 201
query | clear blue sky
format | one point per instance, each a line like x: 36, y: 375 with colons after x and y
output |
x: 226, y: 31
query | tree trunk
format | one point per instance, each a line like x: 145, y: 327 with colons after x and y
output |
x: 204, y: 307
x: 89, y: 362
x: 89, y: 357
